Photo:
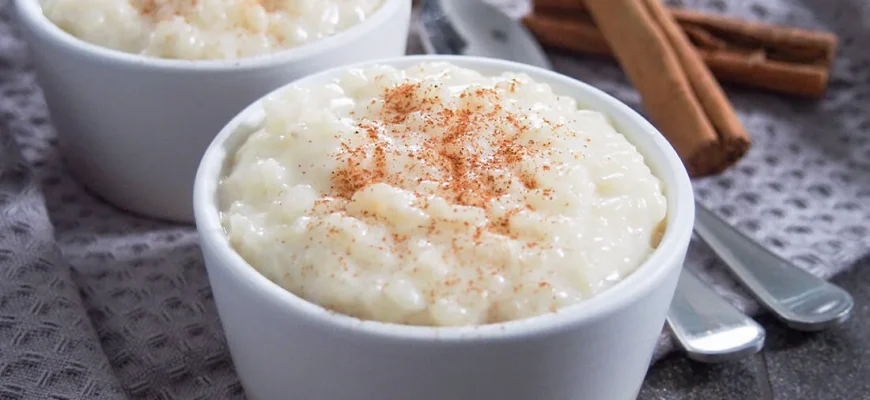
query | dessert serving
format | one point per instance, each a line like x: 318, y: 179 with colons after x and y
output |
x: 187, y: 64
x: 205, y: 29
x: 435, y: 195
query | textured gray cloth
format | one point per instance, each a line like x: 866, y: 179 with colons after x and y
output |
x: 96, y: 303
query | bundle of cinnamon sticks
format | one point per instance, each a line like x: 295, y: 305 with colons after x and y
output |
x: 674, y: 57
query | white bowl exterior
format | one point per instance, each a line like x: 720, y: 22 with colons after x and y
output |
x: 599, y: 349
x: 134, y: 131
x: 281, y: 356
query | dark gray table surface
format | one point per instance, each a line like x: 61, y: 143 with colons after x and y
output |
x: 834, y: 364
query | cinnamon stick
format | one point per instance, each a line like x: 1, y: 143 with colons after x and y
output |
x: 786, y: 60
x: 733, y: 140
x: 786, y: 42
x: 816, y: 44
x: 658, y: 64
x: 579, y: 35
x: 780, y: 42
x: 558, y: 7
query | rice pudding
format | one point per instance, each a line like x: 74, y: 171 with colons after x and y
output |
x: 435, y: 195
x: 205, y: 29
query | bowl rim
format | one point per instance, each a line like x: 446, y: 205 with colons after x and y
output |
x: 30, y: 13
x: 640, y: 283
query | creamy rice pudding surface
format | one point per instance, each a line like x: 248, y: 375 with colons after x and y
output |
x: 438, y: 196
x: 205, y: 29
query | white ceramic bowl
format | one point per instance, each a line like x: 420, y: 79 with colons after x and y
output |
x: 287, y: 348
x: 133, y: 128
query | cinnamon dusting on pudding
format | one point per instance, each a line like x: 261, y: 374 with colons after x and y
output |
x: 435, y: 195
x: 469, y: 166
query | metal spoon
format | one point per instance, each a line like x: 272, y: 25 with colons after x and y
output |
x: 707, y: 327
x: 802, y: 300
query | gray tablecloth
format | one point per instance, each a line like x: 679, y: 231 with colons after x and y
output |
x: 96, y: 303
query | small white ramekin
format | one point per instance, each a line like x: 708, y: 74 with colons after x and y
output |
x: 284, y: 347
x: 133, y: 128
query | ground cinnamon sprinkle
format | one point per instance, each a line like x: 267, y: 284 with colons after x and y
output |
x: 147, y: 7
x: 268, y: 5
x: 468, y: 164
x: 157, y: 9
x: 401, y: 99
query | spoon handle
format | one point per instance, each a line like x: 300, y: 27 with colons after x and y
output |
x: 800, y: 299
x: 708, y: 327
